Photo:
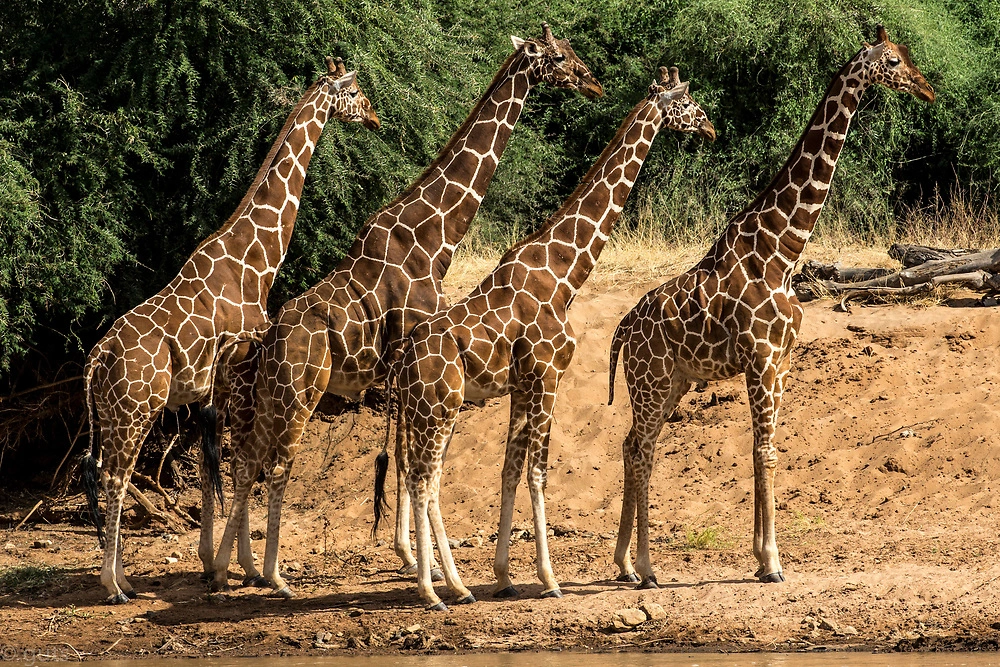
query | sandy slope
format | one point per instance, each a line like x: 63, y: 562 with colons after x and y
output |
x: 889, y: 445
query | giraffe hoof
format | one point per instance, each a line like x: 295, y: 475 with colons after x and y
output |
x: 437, y: 574
x: 554, y: 593
x: 120, y: 598
x: 440, y: 606
x: 648, y: 584
x: 256, y: 581
x: 207, y: 576
x: 508, y: 592
x: 407, y: 569
x: 629, y: 578
x: 131, y: 595
x: 283, y: 593
x: 773, y: 578
x: 468, y: 599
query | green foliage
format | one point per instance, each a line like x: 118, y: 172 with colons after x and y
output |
x: 130, y: 130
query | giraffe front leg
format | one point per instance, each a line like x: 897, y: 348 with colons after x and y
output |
x: 764, y: 388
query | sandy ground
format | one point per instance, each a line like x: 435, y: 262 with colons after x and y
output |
x: 889, y: 445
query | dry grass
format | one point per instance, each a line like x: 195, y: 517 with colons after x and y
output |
x: 645, y: 249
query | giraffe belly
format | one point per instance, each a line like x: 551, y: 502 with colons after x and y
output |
x: 475, y: 392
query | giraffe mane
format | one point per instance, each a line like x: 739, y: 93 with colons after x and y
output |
x: 469, y: 120
x: 269, y: 160
x: 793, y: 153
x: 588, y: 178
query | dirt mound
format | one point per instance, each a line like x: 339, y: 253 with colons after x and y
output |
x: 889, y: 452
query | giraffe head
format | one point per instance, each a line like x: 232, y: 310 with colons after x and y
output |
x: 890, y: 65
x: 349, y: 103
x: 553, y: 61
x: 680, y: 112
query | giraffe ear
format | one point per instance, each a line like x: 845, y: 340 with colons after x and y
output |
x: 518, y: 42
x: 345, y: 81
x: 676, y: 92
x: 875, y: 52
x: 882, y: 35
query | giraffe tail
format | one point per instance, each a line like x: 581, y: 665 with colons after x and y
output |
x: 616, y: 345
x: 89, y: 465
x: 208, y: 417
x: 382, y: 460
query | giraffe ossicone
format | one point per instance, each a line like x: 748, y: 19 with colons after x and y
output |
x: 511, y: 335
x: 338, y: 336
x: 165, y: 352
x: 736, y: 312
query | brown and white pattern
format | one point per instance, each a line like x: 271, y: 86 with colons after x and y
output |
x: 339, y: 334
x: 511, y: 336
x: 735, y: 312
x: 165, y: 352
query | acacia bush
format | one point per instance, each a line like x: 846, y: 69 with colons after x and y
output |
x: 129, y: 130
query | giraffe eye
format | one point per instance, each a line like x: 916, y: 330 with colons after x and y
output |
x: 558, y: 58
x: 893, y: 62
x: 354, y: 93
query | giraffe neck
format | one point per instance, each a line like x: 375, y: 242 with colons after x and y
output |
x: 259, y: 231
x: 777, y: 225
x: 440, y: 204
x: 576, y: 234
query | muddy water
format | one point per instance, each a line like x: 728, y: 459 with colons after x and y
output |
x: 525, y: 659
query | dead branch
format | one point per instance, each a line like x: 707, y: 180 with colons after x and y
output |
x: 28, y: 515
x: 150, y: 508
x: 974, y: 280
x: 914, y: 255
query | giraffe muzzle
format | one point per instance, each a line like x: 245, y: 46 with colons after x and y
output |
x: 707, y: 130
x: 591, y: 88
x: 923, y: 91
x: 372, y: 122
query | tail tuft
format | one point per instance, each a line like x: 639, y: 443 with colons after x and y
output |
x: 381, y: 506
x: 90, y: 487
x: 209, y: 418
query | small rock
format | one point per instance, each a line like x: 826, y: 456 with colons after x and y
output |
x: 476, y: 541
x: 453, y: 543
x: 176, y: 554
x: 355, y: 642
x: 10, y: 546
x: 411, y: 630
x: 322, y: 636
x: 294, y: 566
x: 891, y: 464
x: 825, y: 624
x: 631, y: 617
x: 653, y: 611
x: 354, y: 613
x: 450, y: 621
x: 41, y: 544
x: 848, y: 630
x: 169, y: 560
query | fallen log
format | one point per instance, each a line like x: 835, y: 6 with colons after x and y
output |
x: 973, y: 280
x: 987, y: 261
x: 915, y: 255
